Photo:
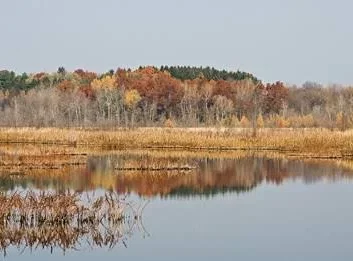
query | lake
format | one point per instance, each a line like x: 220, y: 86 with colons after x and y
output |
x: 252, y: 207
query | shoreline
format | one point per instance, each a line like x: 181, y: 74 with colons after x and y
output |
x: 303, y: 143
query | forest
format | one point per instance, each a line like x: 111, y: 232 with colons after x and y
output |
x: 169, y: 96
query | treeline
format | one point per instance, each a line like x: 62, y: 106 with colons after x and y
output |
x: 168, y: 96
x: 191, y: 73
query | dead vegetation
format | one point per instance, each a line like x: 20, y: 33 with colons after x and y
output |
x: 303, y: 142
x: 64, y: 220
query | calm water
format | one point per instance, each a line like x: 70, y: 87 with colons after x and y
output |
x: 251, y: 208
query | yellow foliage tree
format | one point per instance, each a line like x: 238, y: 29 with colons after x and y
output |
x: 260, y: 121
x: 232, y: 121
x: 131, y: 98
x: 107, y: 82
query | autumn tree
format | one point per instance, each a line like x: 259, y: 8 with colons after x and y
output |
x: 223, y: 107
x: 131, y: 99
x: 276, y: 97
x: 260, y: 121
x: 188, y: 96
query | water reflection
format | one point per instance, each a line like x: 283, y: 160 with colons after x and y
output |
x: 210, y: 177
x: 66, y: 221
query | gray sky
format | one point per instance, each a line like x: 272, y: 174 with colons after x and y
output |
x: 288, y: 40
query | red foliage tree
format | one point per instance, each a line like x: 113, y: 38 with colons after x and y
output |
x: 66, y: 85
x: 276, y: 96
x: 153, y: 85
x: 87, y: 91
x: 85, y: 76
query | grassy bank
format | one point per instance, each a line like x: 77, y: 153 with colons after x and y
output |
x: 296, y: 142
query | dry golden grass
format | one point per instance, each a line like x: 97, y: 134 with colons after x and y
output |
x: 63, y: 220
x: 22, y: 159
x: 39, y: 157
x: 296, y: 142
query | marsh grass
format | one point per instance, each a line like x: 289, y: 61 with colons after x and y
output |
x: 308, y: 142
x: 62, y: 220
x: 151, y: 163
x: 18, y: 157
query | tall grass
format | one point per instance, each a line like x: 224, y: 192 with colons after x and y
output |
x: 63, y: 220
x: 308, y: 142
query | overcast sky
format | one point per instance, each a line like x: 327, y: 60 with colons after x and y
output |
x: 288, y: 40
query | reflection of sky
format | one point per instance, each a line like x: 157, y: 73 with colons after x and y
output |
x: 290, y: 222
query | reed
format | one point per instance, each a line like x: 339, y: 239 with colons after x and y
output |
x: 307, y: 142
x: 62, y: 220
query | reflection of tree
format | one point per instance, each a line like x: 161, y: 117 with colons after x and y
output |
x: 212, y: 176
x: 65, y: 221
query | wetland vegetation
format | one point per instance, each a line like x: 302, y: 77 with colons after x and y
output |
x: 79, y: 149
x: 62, y: 200
x: 32, y: 220
x: 314, y: 143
